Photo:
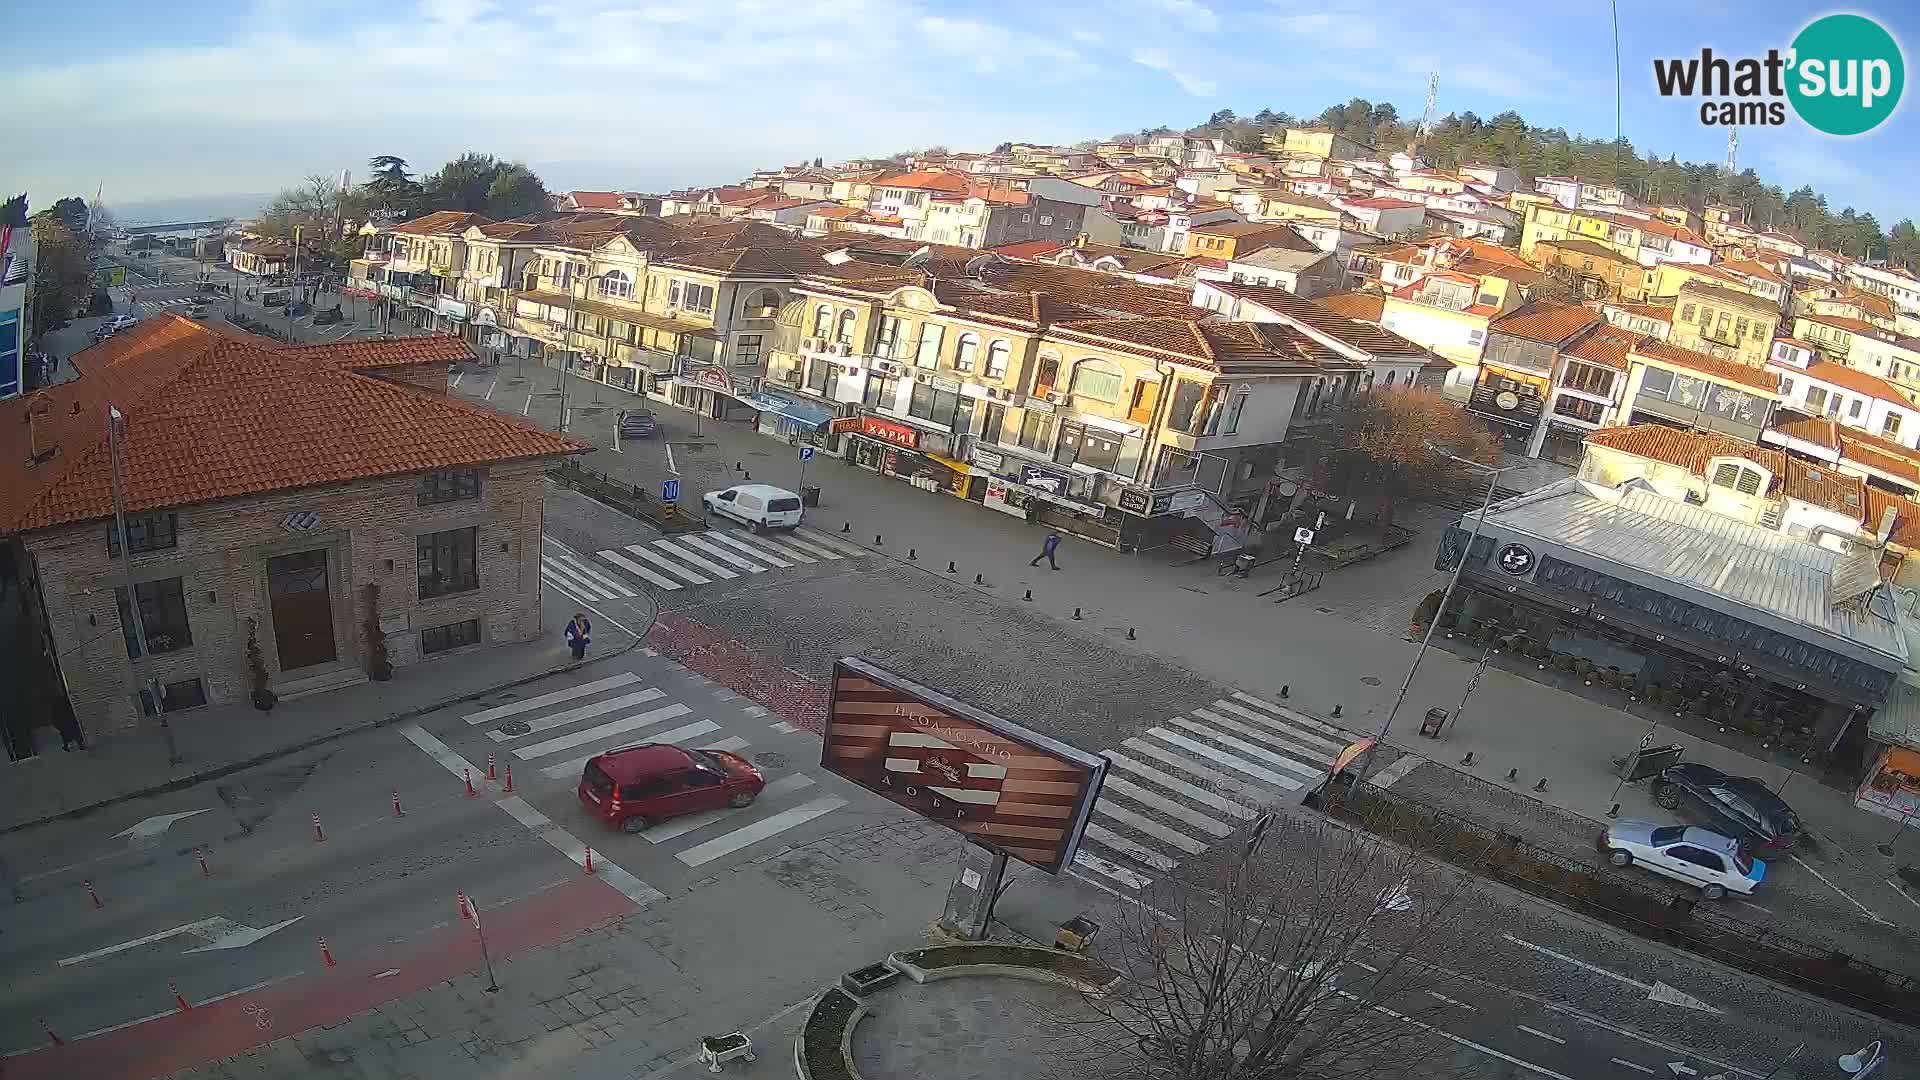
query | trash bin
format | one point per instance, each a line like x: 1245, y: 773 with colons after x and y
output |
x: 1431, y: 723
x: 810, y: 495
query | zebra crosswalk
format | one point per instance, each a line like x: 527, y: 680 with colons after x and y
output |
x: 1189, y: 782
x: 672, y: 563
x: 558, y: 732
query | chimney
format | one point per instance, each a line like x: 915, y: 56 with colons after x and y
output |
x: 1887, y: 518
x: 37, y: 409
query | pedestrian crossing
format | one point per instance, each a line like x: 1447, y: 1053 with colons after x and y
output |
x: 558, y: 732
x: 672, y: 563
x: 1187, y: 783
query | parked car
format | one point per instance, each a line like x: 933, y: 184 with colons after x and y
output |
x: 637, y: 424
x: 758, y: 506
x: 635, y: 787
x: 1740, y: 806
x: 121, y: 322
x: 276, y: 297
x: 1700, y: 857
x: 198, y: 311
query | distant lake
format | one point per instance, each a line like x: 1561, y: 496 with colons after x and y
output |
x: 199, y: 208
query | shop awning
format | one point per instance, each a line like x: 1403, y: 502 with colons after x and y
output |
x: 815, y: 417
x: 960, y: 467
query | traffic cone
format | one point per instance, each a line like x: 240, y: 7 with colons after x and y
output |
x: 468, y: 773
x: 318, y: 836
x: 509, y: 788
x: 94, y: 896
x: 52, y: 1034
x: 491, y: 774
x: 397, y: 812
x: 326, y: 954
x: 179, y: 998
x: 201, y: 854
x: 466, y: 911
x: 589, y: 860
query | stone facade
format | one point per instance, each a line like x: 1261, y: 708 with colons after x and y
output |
x: 368, y: 530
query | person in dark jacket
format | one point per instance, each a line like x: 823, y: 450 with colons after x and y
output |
x: 577, y: 637
x: 71, y: 737
x: 1047, y: 547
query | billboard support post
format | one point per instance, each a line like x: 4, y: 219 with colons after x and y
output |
x: 970, y: 898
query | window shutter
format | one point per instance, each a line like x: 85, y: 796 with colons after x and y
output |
x: 1726, y: 476
x: 1749, y: 482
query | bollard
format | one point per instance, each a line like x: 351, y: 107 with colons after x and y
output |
x: 877, y: 542
x: 952, y: 569
x: 326, y: 954
x: 466, y: 912
x: 846, y: 527
x: 737, y: 466
x: 745, y: 475
x: 1076, y: 614
x: 1336, y: 710
x: 1512, y: 775
x: 468, y: 773
x: 912, y: 555
x: 1468, y: 760
x: 589, y: 863
x: 979, y: 579
x: 509, y: 788
x: 1285, y: 689
x: 318, y: 836
x: 492, y: 774
x: 201, y: 854
x: 51, y: 1034
x: 93, y: 895
x: 1130, y: 636
x: 1542, y: 785
x: 1029, y: 595
x: 397, y: 812
x: 179, y: 998
x: 1613, y: 811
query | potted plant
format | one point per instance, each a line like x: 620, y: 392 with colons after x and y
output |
x: 379, y: 664
x: 263, y: 696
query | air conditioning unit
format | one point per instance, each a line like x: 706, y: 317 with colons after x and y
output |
x: 846, y: 349
x: 922, y: 377
x: 886, y: 367
x: 1057, y: 397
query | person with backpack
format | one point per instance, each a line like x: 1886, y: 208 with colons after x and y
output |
x: 576, y: 633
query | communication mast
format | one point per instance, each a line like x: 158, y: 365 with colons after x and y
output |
x: 1426, y: 118
x: 1733, y: 152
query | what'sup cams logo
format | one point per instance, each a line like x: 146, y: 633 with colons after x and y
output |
x: 1843, y: 75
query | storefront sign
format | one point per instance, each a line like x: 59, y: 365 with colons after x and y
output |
x: 1136, y: 502
x: 486, y: 317
x: 1516, y: 559
x: 1006, y: 498
x: 1182, y: 501
x: 1042, y: 480
x: 1038, y: 404
x: 713, y: 377
x: 987, y: 459
x: 888, y: 432
x: 951, y: 386
x: 1507, y: 399
x: 452, y: 309
x: 843, y: 424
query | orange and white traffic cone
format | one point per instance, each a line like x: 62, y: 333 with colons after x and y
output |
x: 326, y: 954
x: 589, y: 860
x: 466, y: 909
x: 468, y: 773
x: 397, y: 812
x: 491, y: 775
x: 318, y: 836
x: 509, y: 788
x: 201, y: 854
x: 94, y: 896
x: 52, y: 1034
x: 179, y: 998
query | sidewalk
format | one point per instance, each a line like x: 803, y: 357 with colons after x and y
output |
x: 219, y: 740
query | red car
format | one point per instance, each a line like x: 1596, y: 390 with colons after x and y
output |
x: 635, y: 786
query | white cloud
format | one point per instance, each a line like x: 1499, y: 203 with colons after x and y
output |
x: 1158, y: 60
x: 1190, y: 13
x: 1086, y: 37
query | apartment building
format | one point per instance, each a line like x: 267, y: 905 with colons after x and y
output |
x: 1724, y: 322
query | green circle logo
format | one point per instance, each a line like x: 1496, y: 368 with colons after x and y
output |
x: 1847, y: 74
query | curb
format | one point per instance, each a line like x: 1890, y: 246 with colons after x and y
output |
x: 228, y: 769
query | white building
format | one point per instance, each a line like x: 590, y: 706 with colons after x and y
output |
x: 1845, y: 395
x: 16, y: 311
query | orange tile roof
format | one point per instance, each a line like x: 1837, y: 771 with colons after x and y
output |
x: 1364, y: 306
x: 442, y: 221
x: 1607, y: 346
x: 595, y: 200
x: 1028, y: 249
x: 1851, y: 325
x: 1753, y: 269
x: 1690, y: 450
x: 1863, y: 453
x: 926, y: 181
x: 372, y: 355
x: 1821, y: 431
x: 217, y: 415
x: 1544, y: 322
x: 1906, y: 522
x: 1724, y: 370
x: 1853, y: 379
x: 1656, y: 312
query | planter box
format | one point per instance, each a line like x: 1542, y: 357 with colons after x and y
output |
x: 868, y: 979
x: 1011, y: 961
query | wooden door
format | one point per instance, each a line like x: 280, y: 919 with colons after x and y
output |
x: 302, y: 608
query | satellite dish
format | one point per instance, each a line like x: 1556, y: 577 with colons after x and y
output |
x: 979, y: 263
x: 836, y: 258
x: 919, y: 258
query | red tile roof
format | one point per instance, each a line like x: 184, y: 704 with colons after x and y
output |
x: 1853, y: 379
x: 213, y: 416
x: 951, y: 183
x: 1383, y: 203
x: 1690, y: 450
x: 1028, y: 249
x: 1544, y: 322
x: 1724, y: 370
x: 1364, y: 306
x: 367, y: 355
x: 1607, y: 346
x: 442, y: 221
x: 595, y: 200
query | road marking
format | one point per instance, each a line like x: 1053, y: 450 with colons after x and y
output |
x: 239, y: 937
x: 1297, y: 717
x: 701, y: 854
x: 1258, y: 752
x: 1631, y: 1065
x: 1291, y: 745
x: 201, y: 928
x: 828, y: 541
x: 1180, y: 761
x: 1179, y: 786
x: 1581, y: 964
x: 1396, y: 772
x: 792, y: 541
x: 1108, y: 838
x: 695, y: 558
x: 609, y: 585
x: 566, y: 769
x: 1903, y: 893
x: 542, y: 826
x: 721, y: 553
x: 639, y: 571
x: 612, y: 682
x: 616, y: 727
x: 1284, y: 727
x: 559, y: 575
x: 1864, y: 909
x: 1536, y: 1032
x: 488, y: 396
x: 457, y: 378
x: 1131, y: 879
x: 756, y: 551
x: 1185, y: 814
x: 1456, y: 1003
x: 582, y: 712
x: 679, y: 827
x: 154, y: 826
x: 732, y: 742
x: 528, y: 407
x: 1140, y: 823
x: 1195, y: 746
x: 670, y: 566
x: 782, y: 727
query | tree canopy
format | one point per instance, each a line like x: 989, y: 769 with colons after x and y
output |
x: 482, y: 184
x: 62, y: 274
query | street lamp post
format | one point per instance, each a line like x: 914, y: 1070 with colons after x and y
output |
x: 1479, y: 519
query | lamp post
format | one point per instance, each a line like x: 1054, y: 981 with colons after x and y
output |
x: 1479, y: 519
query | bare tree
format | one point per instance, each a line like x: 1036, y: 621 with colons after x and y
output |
x: 1321, y: 953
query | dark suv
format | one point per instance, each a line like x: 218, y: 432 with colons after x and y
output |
x: 1739, y: 806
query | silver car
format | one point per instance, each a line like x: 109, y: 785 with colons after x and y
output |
x: 1700, y: 857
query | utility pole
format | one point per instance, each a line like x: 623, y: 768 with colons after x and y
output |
x: 115, y: 447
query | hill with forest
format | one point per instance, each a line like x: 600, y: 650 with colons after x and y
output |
x: 1507, y: 139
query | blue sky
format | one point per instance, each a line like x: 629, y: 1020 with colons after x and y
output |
x: 219, y: 96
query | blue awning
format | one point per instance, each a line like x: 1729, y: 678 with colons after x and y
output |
x: 814, y: 417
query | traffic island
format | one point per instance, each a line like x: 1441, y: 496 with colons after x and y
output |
x: 1029, y: 962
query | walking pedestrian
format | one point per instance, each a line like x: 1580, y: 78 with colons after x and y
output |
x: 577, y: 635
x: 1047, y: 547
x: 71, y: 738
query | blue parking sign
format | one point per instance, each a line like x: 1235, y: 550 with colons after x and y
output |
x: 806, y: 453
x: 669, y: 491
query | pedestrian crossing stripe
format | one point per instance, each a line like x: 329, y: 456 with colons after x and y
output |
x: 1178, y: 788
x: 673, y: 563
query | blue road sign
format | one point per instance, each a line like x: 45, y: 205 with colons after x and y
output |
x: 669, y: 491
x: 806, y: 453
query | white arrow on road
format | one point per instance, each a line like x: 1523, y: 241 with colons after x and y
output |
x: 218, y: 932
x: 154, y: 826
x: 1656, y: 991
x: 1680, y: 1068
x: 1667, y: 995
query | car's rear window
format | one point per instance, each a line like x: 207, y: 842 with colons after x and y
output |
x: 1667, y: 834
x: 596, y: 779
x: 783, y: 505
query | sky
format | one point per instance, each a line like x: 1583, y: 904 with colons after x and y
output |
x: 222, y: 96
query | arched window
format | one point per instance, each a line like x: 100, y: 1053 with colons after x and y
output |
x: 843, y: 333
x: 822, y: 320
x: 764, y: 304
x: 1046, y: 374
x: 1098, y: 379
x: 966, y: 351
x: 616, y: 284
x: 1390, y: 376
x: 1313, y: 403
x: 997, y: 356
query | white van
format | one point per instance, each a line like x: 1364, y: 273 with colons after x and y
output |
x: 758, y: 506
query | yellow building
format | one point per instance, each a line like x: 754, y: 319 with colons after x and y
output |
x: 1724, y: 322
x: 1322, y: 144
x: 1227, y: 240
